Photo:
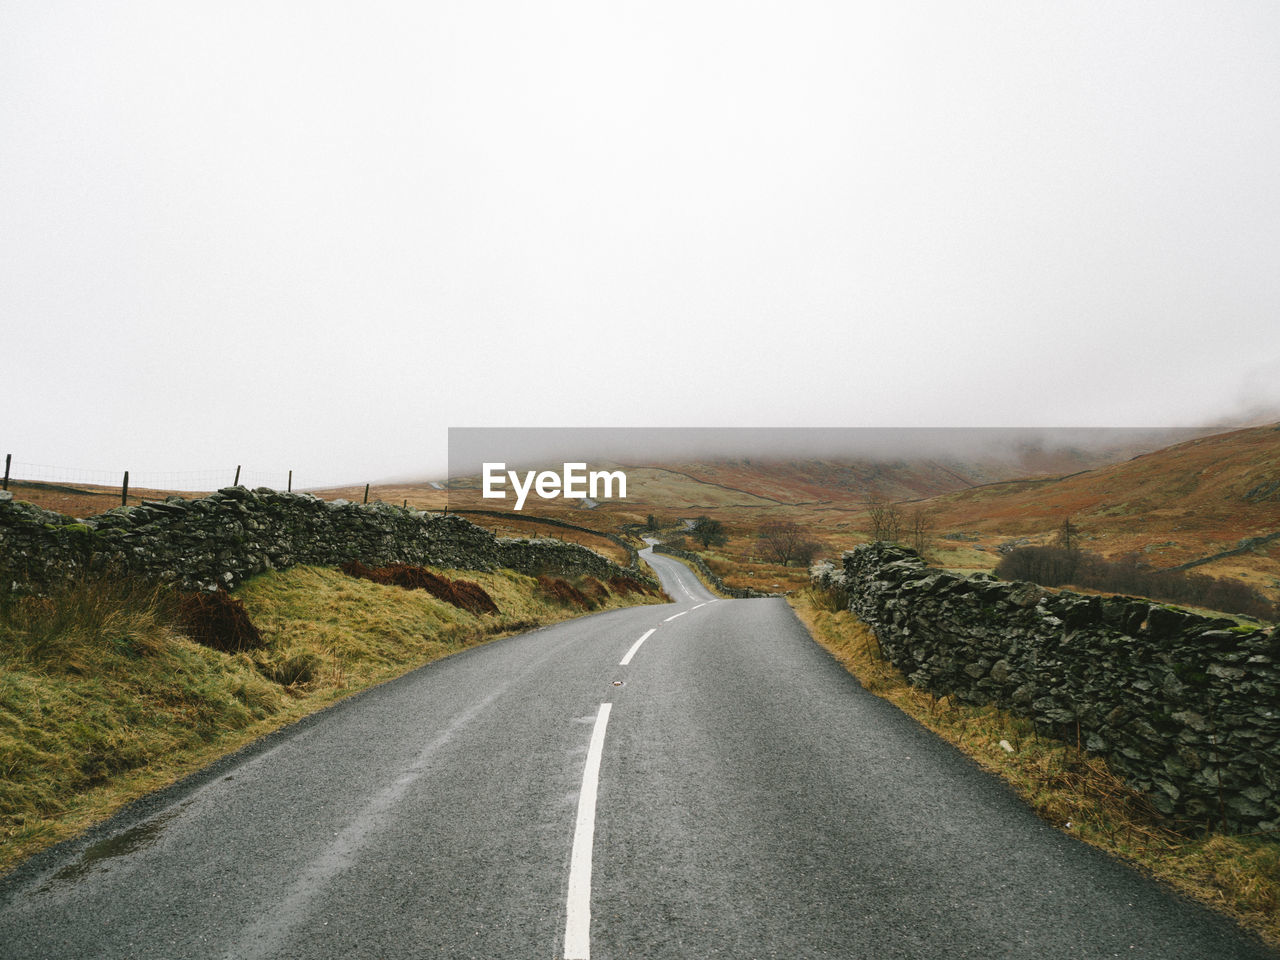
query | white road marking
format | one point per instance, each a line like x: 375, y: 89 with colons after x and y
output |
x: 577, y: 924
x: 680, y: 614
x: 634, y: 647
x: 703, y: 604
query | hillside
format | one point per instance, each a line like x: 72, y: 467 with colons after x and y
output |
x: 755, y: 480
x: 1170, y: 505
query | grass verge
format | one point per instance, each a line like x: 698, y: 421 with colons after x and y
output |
x: 1237, y: 875
x: 103, y: 699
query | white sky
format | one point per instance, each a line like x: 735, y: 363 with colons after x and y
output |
x: 315, y: 235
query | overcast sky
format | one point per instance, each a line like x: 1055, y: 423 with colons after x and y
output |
x: 315, y: 235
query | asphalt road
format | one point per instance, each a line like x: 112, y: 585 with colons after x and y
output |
x: 740, y: 796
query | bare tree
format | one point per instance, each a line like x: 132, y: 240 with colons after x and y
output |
x: 1069, y: 535
x: 783, y: 541
x: 885, y: 517
x: 920, y: 525
x: 805, y: 551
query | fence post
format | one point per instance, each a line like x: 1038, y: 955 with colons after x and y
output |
x: 236, y: 481
x: 290, y: 487
x: 366, y: 493
x: 7, y: 458
x: 124, y: 490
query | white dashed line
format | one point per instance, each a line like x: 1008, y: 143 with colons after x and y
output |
x: 680, y: 614
x: 577, y: 924
x: 634, y: 647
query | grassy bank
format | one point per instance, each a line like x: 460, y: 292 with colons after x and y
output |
x: 104, y: 699
x: 1238, y: 875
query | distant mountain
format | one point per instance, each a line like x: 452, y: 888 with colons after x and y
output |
x: 1173, y: 504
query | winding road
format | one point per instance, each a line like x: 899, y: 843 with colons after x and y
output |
x: 694, y: 780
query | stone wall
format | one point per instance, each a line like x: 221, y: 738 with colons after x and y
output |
x: 229, y: 536
x: 1185, y: 707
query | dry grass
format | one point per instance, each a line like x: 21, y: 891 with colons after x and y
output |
x: 96, y: 685
x: 529, y: 527
x: 103, y: 699
x: 736, y: 564
x: 1238, y: 875
x: 85, y: 499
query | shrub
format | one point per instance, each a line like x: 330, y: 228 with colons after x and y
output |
x: 464, y: 594
x: 1047, y: 566
x: 1056, y: 567
x: 562, y: 591
x: 708, y: 532
x: 219, y: 621
x: 833, y: 599
x: 471, y: 596
x: 593, y: 589
x: 626, y: 585
x: 91, y: 617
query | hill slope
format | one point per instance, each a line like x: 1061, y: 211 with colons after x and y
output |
x: 1174, y: 505
x: 1169, y: 505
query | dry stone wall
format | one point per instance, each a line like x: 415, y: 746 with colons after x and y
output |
x: 1185, y: 707
x: 225, y: 538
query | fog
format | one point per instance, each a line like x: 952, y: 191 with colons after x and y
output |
x: 527, y: 448
x: 315, y: 236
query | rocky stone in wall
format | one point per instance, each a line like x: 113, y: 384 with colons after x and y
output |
x: 236, y: 533
x: 1185, y: 707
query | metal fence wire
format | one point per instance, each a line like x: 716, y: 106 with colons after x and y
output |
x: 182, y: 480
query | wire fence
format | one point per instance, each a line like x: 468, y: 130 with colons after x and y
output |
x: 180, y: 480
